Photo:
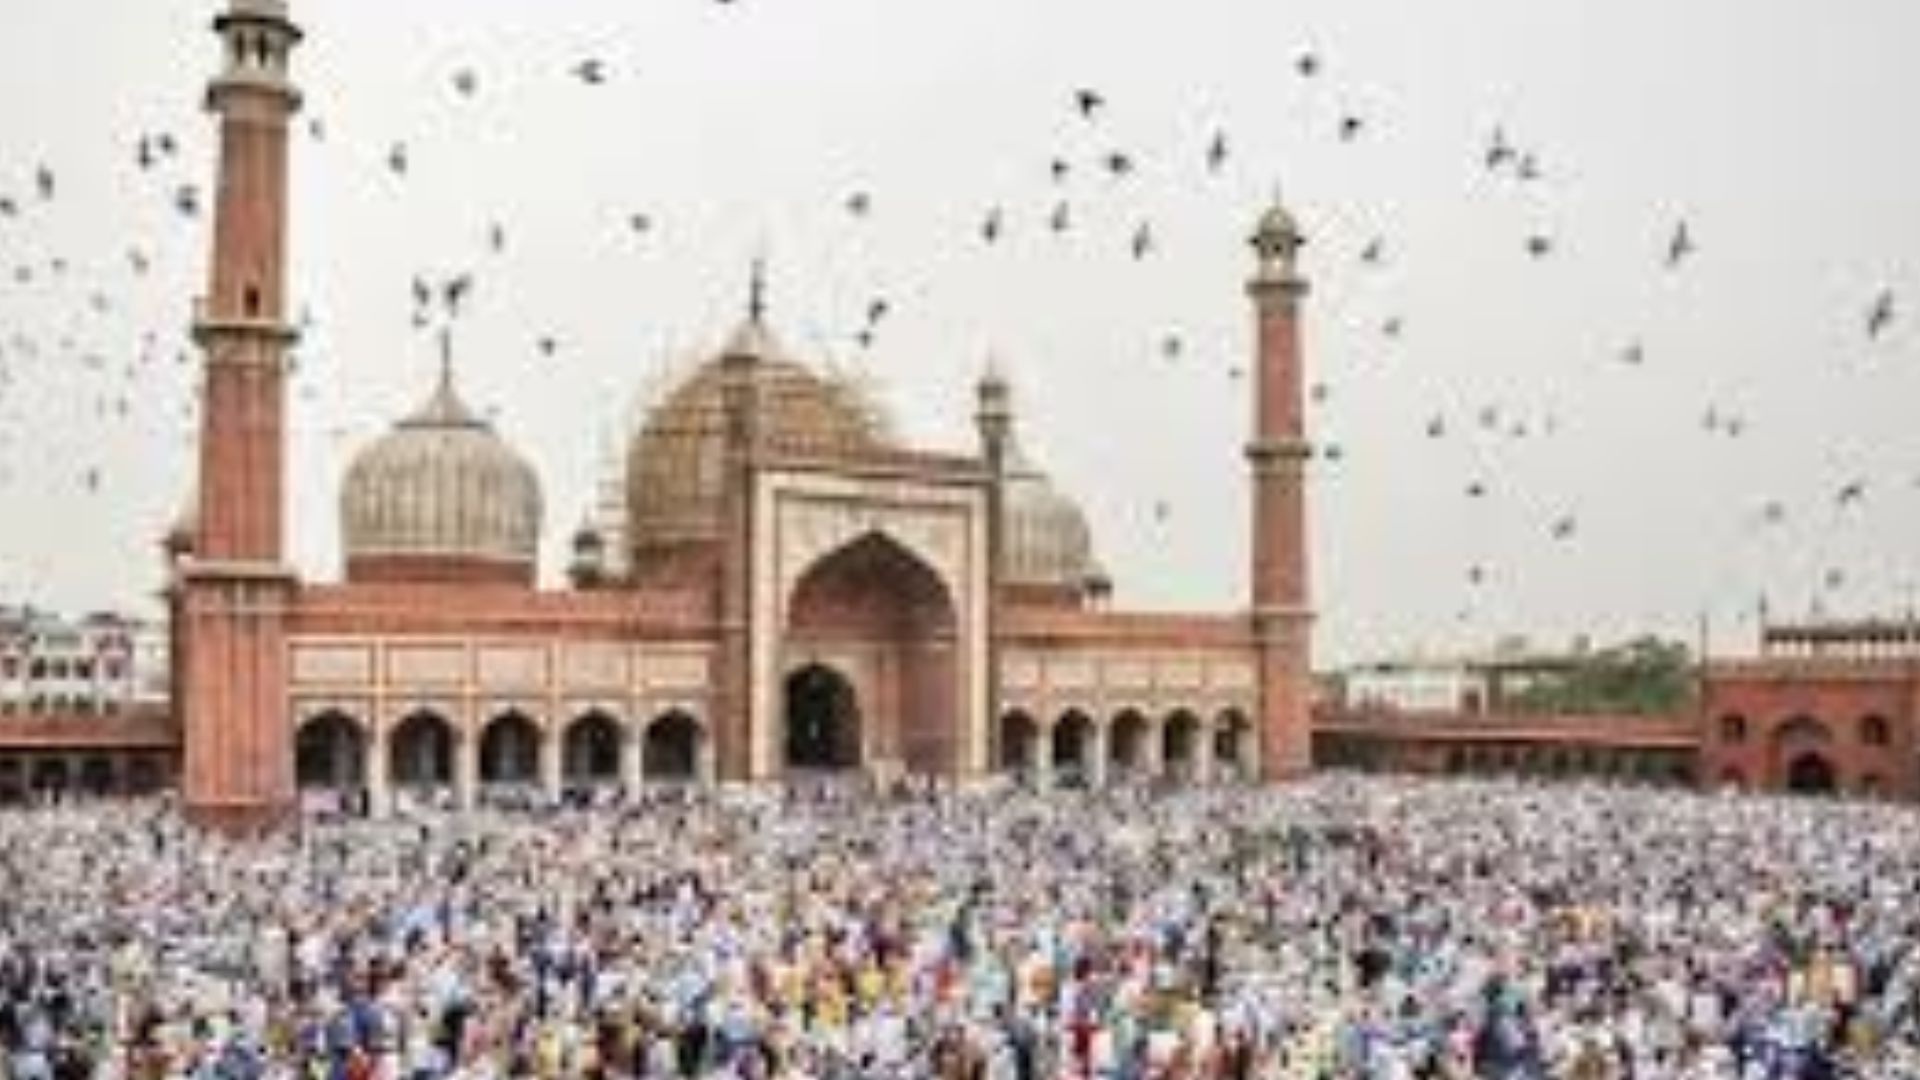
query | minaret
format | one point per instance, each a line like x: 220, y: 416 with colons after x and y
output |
x: 993, y: 418
x: 232, y: 705
x: 1281, y: 615
x: 733, y: 698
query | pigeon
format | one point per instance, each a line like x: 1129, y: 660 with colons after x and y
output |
x: 466, y: 82
x: 1499, y: 151
x: 1119, y: 164
x: 186, y: 200
x: 455, y: 292
x: 1375, y: 252
x: 1217, y: 152
x: 1062, y: 217
x: 1539, y: 246
x: 43, y: 182
x: 991, y: 228
x: 1634, y: 354
x: 640, y: 223
x: 859, y: 204
x: 1307, y: 64
x: 877, y: 309
x: 1680, y: 245
x: 548, y: 346
x: 1880, y: 316
x: 1850, y: 493
x: 1393, y: 326
x: 591, y: 71
x: 1059, y: 170
x: 1350, y: 127
x: 1564, y: 527
x: 1171, y: 346
x: 1089, y: 102
x: 397, y: 159
x: 497, y: 237
x: 1142, y: 244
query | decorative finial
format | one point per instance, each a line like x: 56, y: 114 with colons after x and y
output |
x: 446, y: 356
x: 757, y: 290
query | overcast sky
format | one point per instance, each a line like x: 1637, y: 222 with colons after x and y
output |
x: 1773, y: 127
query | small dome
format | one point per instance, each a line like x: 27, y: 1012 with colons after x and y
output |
x: 441, y: 497
x: 1046, y: 540
x: 675, y: 459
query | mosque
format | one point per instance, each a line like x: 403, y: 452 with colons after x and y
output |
x: 788, y: 590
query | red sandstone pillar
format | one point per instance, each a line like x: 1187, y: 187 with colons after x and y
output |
x: 235, y: 590
x: 1281, y: 613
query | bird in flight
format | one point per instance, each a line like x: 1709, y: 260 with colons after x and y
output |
x: 591, y: 71
x: 1119, y: 164
x: 1089, y: 102
x: 1499, y: 150
x: 1307, y: 64
x: 859, y: 203
x: 466, y: 82
x: 397, y: 159
x: 1680, y: 245
x: 1217, y: 152
x: 1880, y: 316
x: 991, y: 228
x: 1142, y: 244
x: 1539, y: 245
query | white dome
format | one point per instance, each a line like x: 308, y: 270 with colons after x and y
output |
x: 442, y: 485
x: 1046, y: 540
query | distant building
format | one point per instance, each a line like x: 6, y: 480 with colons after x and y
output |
x: 83, y: 704
x: 1493, y: 681
x: 97, y: 665
x: 1826, y: 706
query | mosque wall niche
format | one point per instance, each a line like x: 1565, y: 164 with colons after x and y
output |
x: 426, y: 665
x: 521, y: 666
x: 332, y: 665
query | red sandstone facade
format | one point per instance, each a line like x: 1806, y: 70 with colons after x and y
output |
x: 794, y: 590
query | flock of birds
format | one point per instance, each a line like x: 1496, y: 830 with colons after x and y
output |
x: 120, y: 378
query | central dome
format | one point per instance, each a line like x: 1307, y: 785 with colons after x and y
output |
x: 674, y: 462
x: 440, y: 497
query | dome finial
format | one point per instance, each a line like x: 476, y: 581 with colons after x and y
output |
x: 757, y: 289
x: 446, y: 358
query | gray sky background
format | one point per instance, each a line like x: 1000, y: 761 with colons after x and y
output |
x: 1775, y: 128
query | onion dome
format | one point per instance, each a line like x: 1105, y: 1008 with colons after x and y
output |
x: 1046, y: 541
x: 676, y: 460
x: 441, y: 497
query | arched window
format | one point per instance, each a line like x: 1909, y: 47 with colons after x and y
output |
x: 1873, y: 730
x: 1733, y: 729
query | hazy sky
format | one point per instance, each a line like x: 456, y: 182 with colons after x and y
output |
x: 1773, y: 127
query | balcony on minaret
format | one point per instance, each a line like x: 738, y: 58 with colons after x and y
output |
x: 209, y: 325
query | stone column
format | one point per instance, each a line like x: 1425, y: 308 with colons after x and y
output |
x: 1042, y: 766
x: 633, y: 742
x: 550, y: 762
x: 1152, y: 749
x: 1203, y: 753
x: 1098, y: 753
x: 466, y: 768
x: 379, y: 791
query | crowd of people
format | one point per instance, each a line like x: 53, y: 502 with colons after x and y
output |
x: 1343, y: 927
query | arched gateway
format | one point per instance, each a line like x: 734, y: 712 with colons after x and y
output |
x: 889, y: 697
